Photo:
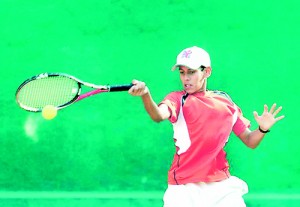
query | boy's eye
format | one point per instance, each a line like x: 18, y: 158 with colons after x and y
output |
x: 189, y: 72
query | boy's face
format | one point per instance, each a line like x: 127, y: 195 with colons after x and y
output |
x: 192, y: 80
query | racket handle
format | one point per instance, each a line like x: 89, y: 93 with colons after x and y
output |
x: 124, y: 87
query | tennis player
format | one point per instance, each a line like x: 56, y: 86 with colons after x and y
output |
x: 202, y: 121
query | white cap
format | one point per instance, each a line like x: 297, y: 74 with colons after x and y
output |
x: 193, y: 58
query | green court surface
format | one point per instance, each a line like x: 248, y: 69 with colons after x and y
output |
x: 125, y: 199
x: 107, y: 143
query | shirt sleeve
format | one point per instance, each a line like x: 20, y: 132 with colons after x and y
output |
x: 172, y: 100
x: 241, y: 124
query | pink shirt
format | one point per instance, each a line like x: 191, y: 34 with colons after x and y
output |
x: 202, y: 126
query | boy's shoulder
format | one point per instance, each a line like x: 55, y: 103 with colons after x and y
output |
x: 221, y: 93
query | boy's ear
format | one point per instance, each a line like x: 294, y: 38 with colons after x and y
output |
x: 207, y: 72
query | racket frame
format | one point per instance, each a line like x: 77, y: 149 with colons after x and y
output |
x: 78, y: 96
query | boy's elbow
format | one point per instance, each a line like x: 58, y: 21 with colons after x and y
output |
x: 157, y: 119
x: 252, y: 146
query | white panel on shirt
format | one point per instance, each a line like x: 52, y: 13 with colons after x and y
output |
x: 181, y: 134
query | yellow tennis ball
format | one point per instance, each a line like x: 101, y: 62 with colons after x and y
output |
x: 49, y: 112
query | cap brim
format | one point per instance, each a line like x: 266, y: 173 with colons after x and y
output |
x: 177, y: 65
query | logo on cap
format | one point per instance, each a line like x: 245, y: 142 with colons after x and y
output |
x: 186, y: 54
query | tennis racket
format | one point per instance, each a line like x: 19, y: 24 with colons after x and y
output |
x: 59, y: 90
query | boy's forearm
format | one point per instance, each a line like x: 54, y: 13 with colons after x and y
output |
x: 254, y: 138
x: 151, y: 107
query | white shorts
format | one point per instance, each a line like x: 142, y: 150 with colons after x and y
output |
x: 226, y: 193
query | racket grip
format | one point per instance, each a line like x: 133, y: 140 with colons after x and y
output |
x: 124, y: 87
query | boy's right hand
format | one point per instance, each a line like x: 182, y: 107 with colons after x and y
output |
x: 139, y: 88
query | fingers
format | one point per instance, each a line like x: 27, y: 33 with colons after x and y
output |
x: 255, y: 114
x: 139, y: 88
x: 273, y: 111
x: 134, y: 82
x: 277, y: 111
x: 279, y: 118
x: 266, y: 109
x: 273, y: 108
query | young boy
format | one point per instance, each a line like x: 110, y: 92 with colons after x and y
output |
x: 202, y: 122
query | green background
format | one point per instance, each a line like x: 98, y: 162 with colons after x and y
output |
x: 108, y: 142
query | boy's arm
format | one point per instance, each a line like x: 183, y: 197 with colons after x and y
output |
x: 157, y: 113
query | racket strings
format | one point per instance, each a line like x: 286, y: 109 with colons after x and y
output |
x: 52, y: 90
